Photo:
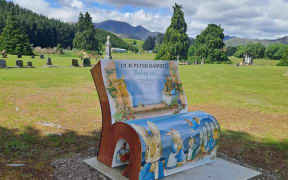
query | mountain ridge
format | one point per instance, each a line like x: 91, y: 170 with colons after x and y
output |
x: 124, y: 29
x: 234, y: 42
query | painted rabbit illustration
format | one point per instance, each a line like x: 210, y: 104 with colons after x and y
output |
x: 193, y: 147
x: 213, y: 139
x: 153, y: 168
x: 177, y: 157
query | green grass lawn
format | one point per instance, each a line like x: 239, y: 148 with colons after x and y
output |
x: 258, y: 62
x: 250, y: 102
x: 58, y: 60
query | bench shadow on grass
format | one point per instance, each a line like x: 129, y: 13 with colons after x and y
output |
x: 270, y: 155
x: 37, y: 152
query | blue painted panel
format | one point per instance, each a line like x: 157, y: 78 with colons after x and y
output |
x: 187, y: 140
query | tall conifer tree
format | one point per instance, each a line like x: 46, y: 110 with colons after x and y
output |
x: 14, y: 39
x: 175, y: 42
x: 85, y: 36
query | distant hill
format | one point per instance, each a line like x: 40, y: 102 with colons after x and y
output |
x: 227, y: 37
x: 283, y: 40
x: 125, y: 30
x: 233, y: 42
x: 116, y: 41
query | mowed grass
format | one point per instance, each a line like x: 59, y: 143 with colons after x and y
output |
x: 258, y: 62
x: 67, y: 61
x: 251, y: 103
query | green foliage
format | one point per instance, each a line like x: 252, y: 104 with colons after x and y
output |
x: 59, y: 49
x: 175, y: 42
x: 255, y: 50
x: 85, y: 36
x: 241, y: 51
x: 115, y: 41
x: 284, y: 59
x: 14, y: 39
x: 275, y: 51
x: 42, y: 31
x: 159, y: 38
x: 149, y: 43
x: 231, y: 51
x: 192, y: 54
x: 209, y: 46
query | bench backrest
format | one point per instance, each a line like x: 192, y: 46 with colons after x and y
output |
x: 142, y: 89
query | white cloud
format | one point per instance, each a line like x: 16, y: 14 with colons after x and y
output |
x: 77, y: 4
x: 243, y: 18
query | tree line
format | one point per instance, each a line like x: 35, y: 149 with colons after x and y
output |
x: 273, y: 51
x: 209, y: 46
x: 44, y: 32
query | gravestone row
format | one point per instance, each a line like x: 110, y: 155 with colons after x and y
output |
x: 19, y: 63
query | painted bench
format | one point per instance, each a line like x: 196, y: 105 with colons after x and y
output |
x: 145, y: 122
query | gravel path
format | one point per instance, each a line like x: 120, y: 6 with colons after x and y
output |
x: 74, y: 168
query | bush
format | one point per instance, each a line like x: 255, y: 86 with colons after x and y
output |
x: 284, y: 59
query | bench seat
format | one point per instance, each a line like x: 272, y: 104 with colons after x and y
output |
x: 145, y: 122
x: 198, y: 137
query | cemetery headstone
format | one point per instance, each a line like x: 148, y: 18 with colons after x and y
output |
x: 19, y: 56
x: 19, y: 63
x: 42, y: 56
x: 49, y: 62
x: 29, y: 64
x: 33, y: 56
x: 86, y: 62
x: 108, y: 55
x: 248, y: 60
x: 202, y: 61
x: 4, y: 54
x: 3, y: 63
x: 75, y: 63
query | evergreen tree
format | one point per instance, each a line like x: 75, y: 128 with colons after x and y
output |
x: 149, y: 43
x: 175, y: 42
x: 42, y: 31
x: 209, y: 45
x: 13, y: 38
x: 85, y: 36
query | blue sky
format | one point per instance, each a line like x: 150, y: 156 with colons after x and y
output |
x: 263, y: 19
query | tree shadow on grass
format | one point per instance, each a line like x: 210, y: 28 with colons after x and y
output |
x: 36, y: 151
x: 270, y: 155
